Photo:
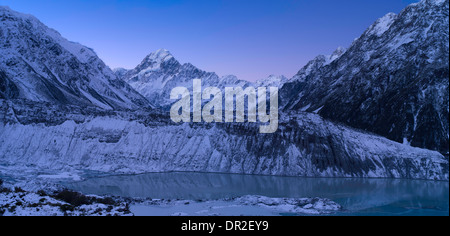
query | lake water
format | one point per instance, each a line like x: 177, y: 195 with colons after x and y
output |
x: 357, y: 196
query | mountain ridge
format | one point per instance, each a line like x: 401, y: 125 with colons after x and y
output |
x: 392, y: 80
x: 38, y: 64
x: 159, y: 72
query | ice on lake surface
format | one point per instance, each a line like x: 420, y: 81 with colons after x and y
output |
x: 357, y: 196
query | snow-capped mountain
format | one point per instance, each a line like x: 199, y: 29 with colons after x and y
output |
x: 40, y: 71
x: 317, y: 63
x: 38, y: 64
x: 393, y: 80
x: 160, y: 72
x: 272, y: 81
x: 120, y: 72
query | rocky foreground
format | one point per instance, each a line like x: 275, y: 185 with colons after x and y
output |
x: 54, y: 200
x: 15, y: 201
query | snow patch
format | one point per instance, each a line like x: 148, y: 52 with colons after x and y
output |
x: 382, y: 25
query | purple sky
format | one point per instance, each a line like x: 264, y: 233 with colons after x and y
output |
x: 251, y: 39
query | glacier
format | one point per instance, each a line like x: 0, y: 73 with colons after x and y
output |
x: 305, y: 145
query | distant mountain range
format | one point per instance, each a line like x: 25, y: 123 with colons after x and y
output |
x: 392, y: 80
x: 61, y: 107
x: 160, y: 72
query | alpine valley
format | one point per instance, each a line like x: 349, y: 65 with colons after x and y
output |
x: 378, y: 109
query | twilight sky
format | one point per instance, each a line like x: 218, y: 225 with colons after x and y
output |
x: 248, y: 38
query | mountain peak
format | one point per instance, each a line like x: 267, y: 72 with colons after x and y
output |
x: 399, y: 66
x: 339, y: 51
x: 63, y: 72
x: 7, y: 12
x: 4, y: 8
x: 336, y: 54
x: 160, y: 56
x: 155, y: 61
x: 430, y: 2
x: 272, y: 81
x: 120, y: 72
x: 280, y: 77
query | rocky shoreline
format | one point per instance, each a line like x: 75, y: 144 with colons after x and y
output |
x: 55, y: 200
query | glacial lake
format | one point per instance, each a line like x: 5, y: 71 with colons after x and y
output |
x: 368, y: 197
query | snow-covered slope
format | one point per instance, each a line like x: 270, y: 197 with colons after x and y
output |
x: 38, y: 64
x: 160, y: 72
x: 272, y: 81
x: 120, y: 72
x: 393, y: 80
x: 305, y: 145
